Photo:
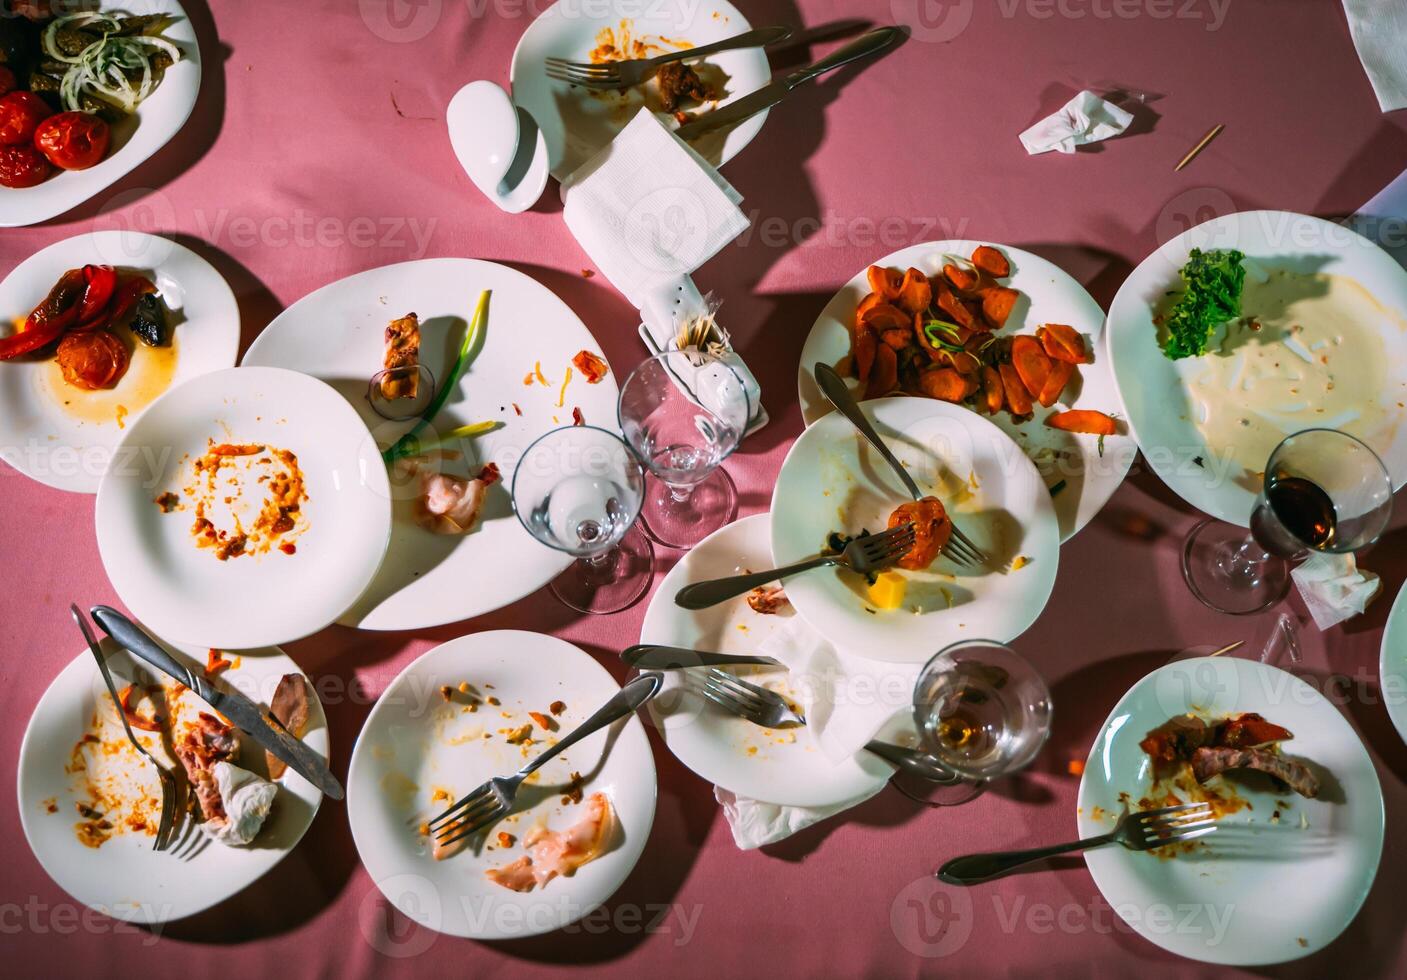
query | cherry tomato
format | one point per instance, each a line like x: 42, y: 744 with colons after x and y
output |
x: 72, y: 140
x: 23, y: 166
x: 20, y: 115
x: 92, y: 360
x: 8, y: 82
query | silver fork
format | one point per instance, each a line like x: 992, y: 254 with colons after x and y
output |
x: 494, y: 799
x: 624, y: 74
x: 770, y: 710
x: 1136, y: 831
x: 959, y: 548
x: 868, y: 554
x: 169, y: 789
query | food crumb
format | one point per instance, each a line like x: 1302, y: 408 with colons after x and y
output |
x: 556, y: 707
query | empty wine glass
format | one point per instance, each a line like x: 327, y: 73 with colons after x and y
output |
x: 578, y: 489
x: 684, y: 412
x: 1324, y: 491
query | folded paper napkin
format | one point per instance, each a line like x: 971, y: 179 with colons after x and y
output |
x: 649, y: 210
x: 1334, y: 588
x: 1379, y: 29
x: 1084, y: 119
x: 847, y: 700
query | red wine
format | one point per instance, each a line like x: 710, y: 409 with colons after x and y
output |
x: 1303, y: 509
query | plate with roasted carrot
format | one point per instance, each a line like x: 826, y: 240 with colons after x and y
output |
x: 996, y: 330
x: 834, y: 487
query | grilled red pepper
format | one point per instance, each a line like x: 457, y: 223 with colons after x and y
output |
x: 50, y: 319
x: 101, y: 281
x: 126, y: 297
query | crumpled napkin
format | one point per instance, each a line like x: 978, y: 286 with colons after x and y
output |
x: 1379, y: 29
x: 1084, y: 119
x: 846, y: 700
x: 1334, y: 588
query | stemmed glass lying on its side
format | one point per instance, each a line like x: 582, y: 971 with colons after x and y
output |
x: 1324, y: 491
x: 684, y: 412
x: 982, y: 711
x: 578, y: 489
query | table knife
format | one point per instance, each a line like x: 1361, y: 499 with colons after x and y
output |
x: 242, y: 712
x: 652, y: 656
x: 769, y: 95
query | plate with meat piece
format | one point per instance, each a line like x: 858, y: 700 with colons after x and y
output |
x: 481, y: 706
x: 785, y: 767
x: 1297, y: 803
x: 833, y: 486
x: 577, y: 123
x: 251, y: 508
x: 1392, y: 664
x: 90, y: 805
x: 949, y: 315
x: 158, y: 315
x: 386, y: 339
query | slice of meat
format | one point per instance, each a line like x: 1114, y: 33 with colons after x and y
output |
x: 768, y: 599
x: 560, y: 852
x: 202, y: 745
x: 680, y: 83
x: 290, y: 706
x: 932, y: 528
x: 517, y: 876
x: 451, y: 504
x: 1176, y: 739
x: 403, y: 354
x: 1212, y: 761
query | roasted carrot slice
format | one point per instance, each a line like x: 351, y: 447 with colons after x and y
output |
x: 1018, y: 399
x: 947, y: 385
x: 885, y: 281
x: 1083, y: 420
x: 1031, y: 363
x: 898, y: 337
x: 990, y: 261
x: 884, y: 375
x: 1063, y: 343
x: 963, y: 279
x: 915, y: 294
x: 1055, y: 382
x: 870, y: 301
x: 886, y: 317
x: 993, y: 397
x: 952, y: 305
x: 862, y: 346
x: 997, y: 302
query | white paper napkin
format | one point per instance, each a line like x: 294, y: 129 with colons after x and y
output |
x: 846, y: 700
x: 1379, y: 29
x: 1084, y: 119
x: 1334, y: 588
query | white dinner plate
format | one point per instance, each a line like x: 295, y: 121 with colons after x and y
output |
x: 787, y: 768
x: 1090, y: 473
x: 158, y: 118
x: 70, y: 446
x: 832, y: 480
x: 1154, y: 390
x: 577, y: 123
x: 1261, y: 889
x: 336, y: 333
x: 417, y: 752
x: 1392, y: 664
x: 125, y: 878
x: 184, y: 592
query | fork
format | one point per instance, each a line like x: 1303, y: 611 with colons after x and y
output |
x: 624, y: 74
x: 165, y: 830
x: 1136, y: 831
x: 770, y: 710
x: 866, y: 555
x: 959, y: 548
x: 494, y: 799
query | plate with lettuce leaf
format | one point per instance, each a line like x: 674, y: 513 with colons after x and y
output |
x: 1248, y: 328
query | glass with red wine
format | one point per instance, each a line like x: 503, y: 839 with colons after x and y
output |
x: 1324, y: 491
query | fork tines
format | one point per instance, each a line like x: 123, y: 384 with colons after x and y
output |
x: 1173, y: 824
x: 961, y: 549
x: 466, y: 816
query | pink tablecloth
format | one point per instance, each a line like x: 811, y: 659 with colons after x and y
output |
x: 318, y: 150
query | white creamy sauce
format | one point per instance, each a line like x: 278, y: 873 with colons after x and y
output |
x: 1309, y: 352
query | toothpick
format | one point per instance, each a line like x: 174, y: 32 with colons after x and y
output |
x: 1211, y: 135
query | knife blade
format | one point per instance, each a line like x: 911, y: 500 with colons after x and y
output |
x: 653, y: 656
x: 769, y: 95
x: 241, y: 712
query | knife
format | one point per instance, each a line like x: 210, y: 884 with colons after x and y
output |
x: 769, y: 95
x: 242, y: 712
x: 653, y: 656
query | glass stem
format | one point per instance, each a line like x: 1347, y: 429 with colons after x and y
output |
x: 680, y: 494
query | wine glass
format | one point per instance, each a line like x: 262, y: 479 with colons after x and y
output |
x: 684, y: 412
x: 982, y: 712
x: 578, y: 489
x: 1324, y: 491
